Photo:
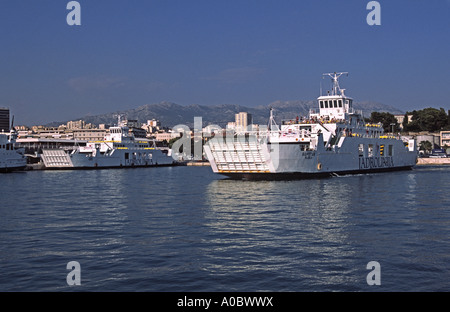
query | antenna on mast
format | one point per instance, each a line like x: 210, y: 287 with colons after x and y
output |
x: 335, y: 80
x: 272, y: 124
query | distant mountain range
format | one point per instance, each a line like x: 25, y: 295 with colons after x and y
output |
x: 171, y: 114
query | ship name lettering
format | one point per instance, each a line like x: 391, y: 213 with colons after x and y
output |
x: 375, y: 162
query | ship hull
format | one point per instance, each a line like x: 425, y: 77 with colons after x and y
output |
x: 12, y: 169
x: 253, y: 159
x: 11, y: 158
x: 289, y: 176
x: 12, y: 162
x: 60, y: 160
x: 110, y: 167
x: 80, y: 161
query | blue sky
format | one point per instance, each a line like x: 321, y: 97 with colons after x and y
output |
x: 247, y: 52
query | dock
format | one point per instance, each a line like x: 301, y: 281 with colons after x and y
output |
x: 433, y: 161
x: 198, y: 163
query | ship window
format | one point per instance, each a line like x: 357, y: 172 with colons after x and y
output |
x: 390, y: 150
x: 370, y: 151
x: 335, y: 103
x: 321, y: 104
x: 340, y: 103
x: 361, y: 150
x: 326, y: 104
x: 330, y: 104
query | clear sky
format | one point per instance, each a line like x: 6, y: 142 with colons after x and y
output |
x: 248, y: 52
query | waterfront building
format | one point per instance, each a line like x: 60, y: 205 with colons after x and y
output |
x: 243, y: 121
x: 401, y: 118
x: 50, y: 133
x: 152, y: 126
x: 103, y: 126
x: 89, y: 134
x: 166, y: 136
x: 210, y: 129
x: 79, y: 124
x: 445, y: 139
x: 231, y: 125
x: 154, y: 123
x: 433, y: 138
x: 134, y: 127
x: 4, y: 119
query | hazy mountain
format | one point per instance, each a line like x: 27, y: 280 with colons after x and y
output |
x: 171, y: 114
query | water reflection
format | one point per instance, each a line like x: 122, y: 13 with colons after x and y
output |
x: 280, y: 228
x: 182, y: 229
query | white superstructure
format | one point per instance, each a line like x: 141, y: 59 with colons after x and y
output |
x: 11, y: 157
x: 119, y: 149
x: 334, y: 139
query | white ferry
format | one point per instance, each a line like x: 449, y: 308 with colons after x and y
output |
x: 120, y: 149
x: 333, y: 140
x: 11, y: 157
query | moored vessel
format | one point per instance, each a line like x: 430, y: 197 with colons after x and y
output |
x: 11, y: 157
x: 119, y: 149
x: 333, y: 140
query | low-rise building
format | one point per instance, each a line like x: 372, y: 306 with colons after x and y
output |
x: 445, y: 139
x: 401, y: 118
x: 166, y: 136
x: 89, y: 134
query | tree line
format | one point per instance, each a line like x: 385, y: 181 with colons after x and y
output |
x: 428, y: 119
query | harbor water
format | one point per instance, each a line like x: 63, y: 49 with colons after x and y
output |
x: 186, y: 229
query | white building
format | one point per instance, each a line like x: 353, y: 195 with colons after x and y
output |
x: 243, y: 121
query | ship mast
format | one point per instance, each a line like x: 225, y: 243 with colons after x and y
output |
x: 272, y: 124
x: 335, y: 80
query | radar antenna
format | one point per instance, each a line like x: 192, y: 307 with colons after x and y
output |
x: 335, y: 80
x: 272, y: 124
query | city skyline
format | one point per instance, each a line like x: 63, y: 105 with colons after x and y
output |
x: 125, y: 55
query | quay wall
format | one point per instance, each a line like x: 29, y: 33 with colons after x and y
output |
x: 198, y: 163
x: 433, y: 161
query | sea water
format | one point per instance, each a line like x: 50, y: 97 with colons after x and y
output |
x: 184, y: 229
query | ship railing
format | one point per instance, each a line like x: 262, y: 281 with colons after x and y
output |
x: 262, y: 135
x: 377, y: 125
x: 355, y: 111
x: 313, y: 120
x: 370, y: 136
